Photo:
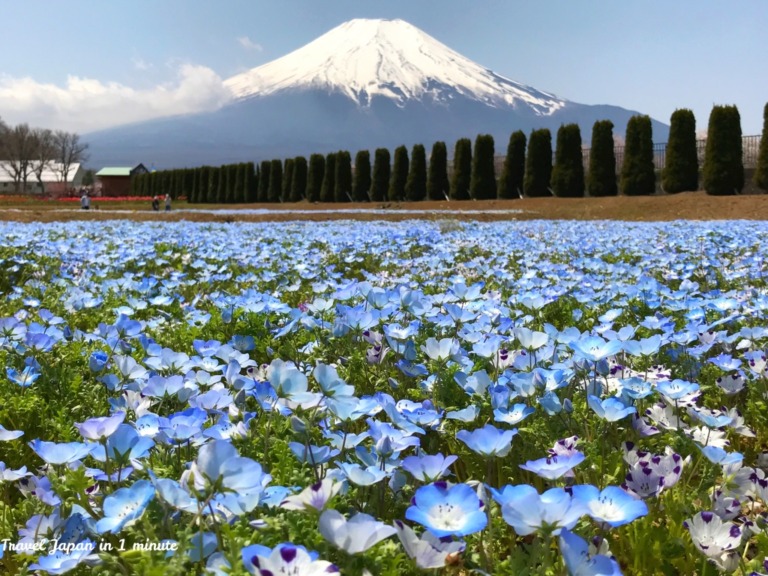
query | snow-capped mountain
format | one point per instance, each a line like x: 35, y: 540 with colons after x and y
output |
x: 388, y: 58
x: 362, y: 85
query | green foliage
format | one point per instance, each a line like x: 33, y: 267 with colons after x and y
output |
x: 416, y: 184
x: 381, y: 175
x: 263, y: 190
x: 240, y: 176
x: 437, y: 175
x: 343, y: 179
x: 723, y: 172
x: 213, y: 184
x: 761, y: 174
x: 275, y: 181
x: 568, y: 171
x: 299, y: 180
x: 513, y: 170
x: 602, y: 161
x: 681, y: 165
x: 538, y: 164
x: 638, y: 173
x: 251, y: 183
x: 361, y: 185
x: 285, y: 194
x: 462, y: 169
x: 399, y: 175
x: 328, y: 187
x: 483, y: 178
x: 315, y: 177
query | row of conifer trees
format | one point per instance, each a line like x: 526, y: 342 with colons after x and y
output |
x: 528, y: 168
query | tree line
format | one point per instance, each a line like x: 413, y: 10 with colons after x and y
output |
x: 530, y: 169
x: 26, y: 153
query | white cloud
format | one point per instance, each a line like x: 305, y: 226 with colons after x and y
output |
x: 86, y: 104
x: 140, y: 64
x: 249, y: 44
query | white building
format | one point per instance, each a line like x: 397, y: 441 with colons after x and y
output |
x: 52, y: 179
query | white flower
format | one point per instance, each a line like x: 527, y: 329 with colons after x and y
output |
x: 315, y: 496
x: 711, y: 535
x: 355, y: 535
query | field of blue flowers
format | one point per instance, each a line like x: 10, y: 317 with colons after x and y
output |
x: 448, y: 397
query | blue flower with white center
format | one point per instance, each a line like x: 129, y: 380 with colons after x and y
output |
x: 312, y: 455
x: 100, y: 428
x: 315, y: 496
x: 64, y: 453
x: 60, y: 562
x: 25, y: 378
x: 717, y: 455
x: 554, y: 467
x: 611, y: 409
x: 725, y: 362
x: 488, y: 440
x: 676, y: 389
x: 513, y: 415
x: 355, y: 535
x: 527, y: 511
x: 594, y: 348
x: 362, y: 476
x: 124, y: 506
x: 428, y: 468
x: 125, y: 445
x: 577, y: 560
x: 428, y: 551
x: 7, y: 435
x: 441, y: 350
x: 447, y: 510
x: 286, y: 559
x: 613, y: 505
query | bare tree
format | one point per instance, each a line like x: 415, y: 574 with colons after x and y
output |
x: 18, y: 150
x: 45, y: 154
x: 69, y: 150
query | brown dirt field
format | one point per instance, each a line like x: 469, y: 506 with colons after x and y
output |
x: 691, y: 205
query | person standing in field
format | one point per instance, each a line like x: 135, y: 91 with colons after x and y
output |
x: 167, y: 202
x: 85, y: 201
x: 155, y: 203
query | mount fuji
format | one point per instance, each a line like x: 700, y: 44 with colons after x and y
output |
x: 362, y: 85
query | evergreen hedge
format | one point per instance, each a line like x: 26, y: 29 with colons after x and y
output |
x: 361, y: 183
x: 638, y: 173
x: 343, y: 179
x: 263, y: 194
x: 328, y: 187
x: 275, y: 181
x: 602, y: 161
x: 416, y: 184
x: 462, y: 169
x: 513, y: 170
x: 399, y: 175
x: 381, y: 175
x: 315, y: 177
x: 287, y: 180
x: 681, y: 164
x: 761, y: 174
x: 568, y: 171
x: 723, y: 172
x: 299, y: 180
x: 437, y: 175
x: 483, y: 179
x: 538, y: 164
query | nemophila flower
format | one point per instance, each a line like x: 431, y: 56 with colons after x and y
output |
x: 428, y: 468
x: 578, y: 561
x: 488, y: 440
x: 664, y: 416
x: 440, y: 349
x: 757, y: 361
x: 60, y: 562
x: 286, y: 559
x: 362, y: 476
x: 612, y: 505
x: 711, y: 535
x: 468, y: 414
x: 124, y: 506
x: 527, y: 511
x: 676, y: 389
x: 643, y: 347
x: 219, y: 468
x: 315, y: 496
x: 312, y: 454
x: 64, y: 453
x: 25, y: 378
x: 447, y: 510
x: 725, y: 362
x: 731, y: 383
x: 717, y: 455
x: 97, y: 361
x: 7, y: 435
x: 711, y: 418
x: 9, y: 475
x: 428, y: 551
x: 513, y: 415
x: 183, y: 426
x: 355, y: 535
x: 172, y: 493
x: 611, y: 409
x: 554, y: 467
x: 125, y: 445
x: 101, y: 427
x: 634, y: 388
x: 594, y: 348
x: 551, y: 403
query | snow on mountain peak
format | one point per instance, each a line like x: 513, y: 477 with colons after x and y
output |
x: 364, y: 58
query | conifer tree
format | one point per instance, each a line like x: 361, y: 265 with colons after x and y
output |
x: 462, y: 169
x: 275, y: 181
x: 483, y: 179
x: 328, y: 189
x: 602, y: 161
x: 681, y: 164
x: 213, y: 184
x: 513, y: 171
x: 287, y: 180
x: 251, y: 183
x: 381, y: 175
x: 315, y: 177
x: 264, y: 181
x: 239, y: 193
x: 723, y: 162
x: 437, y: 173
x: 538, y: 164
x: 761, y: 173
x: 299, y: 180
x: 221, y: 191
x: 399, y: 175
x: 568, y: 171
x: 638, y: 172
x: 343, y: 179
x: 361, y: 184
x: 416, y: 183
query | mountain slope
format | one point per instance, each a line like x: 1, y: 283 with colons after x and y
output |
x: 364, y: 84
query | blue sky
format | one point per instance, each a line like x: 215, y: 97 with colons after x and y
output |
x: 87, y: 64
